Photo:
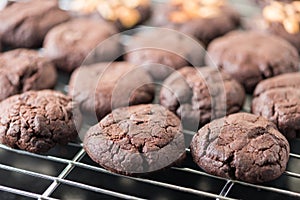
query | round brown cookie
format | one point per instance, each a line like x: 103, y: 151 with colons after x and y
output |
x: 125, y: 14
x: 199, y: 95
x: 22, y: 70
x: 162, y: 51
x: 136, y: 140
x: 36, y: 121
x: 241, y: 146
x: 103, y: 86
x: 25, y: 23
x: 250, y: 57
x: 193, y: 17
x: 278, y: 99
x: 282, y: 81
x: 278, y: 29
x: 69, y: 44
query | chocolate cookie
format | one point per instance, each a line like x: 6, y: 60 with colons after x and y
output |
x: 199, y: 95
x: 22, y: 70
x: 68, y: 44
x: 278, y: 29
x: 136, y: 140
x: 241, y: 146
x: 278, y: 99
x: 250, y: 57
x: 25, y: 23
x: 205, y: 20
x: 36, y: 121
x: 282, y: 19
x: 125, y: 14
x: 162, y: 51
x: 101, y: 87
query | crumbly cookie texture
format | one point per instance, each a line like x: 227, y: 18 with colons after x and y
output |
x: 81, y: 40
x: 278, y: 99
x: 203, y: 20
x: 137, y: 139
x: 241, y: 146
x: 288, y: 14
x: 162, y: 51
x: 251, y: 57
x: 36, y: 121
x: 24, y: 24
x: 102, y: 87
x: 22, y: 70
x: 198, y: 95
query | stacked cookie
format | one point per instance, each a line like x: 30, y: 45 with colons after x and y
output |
x: 117, y: 90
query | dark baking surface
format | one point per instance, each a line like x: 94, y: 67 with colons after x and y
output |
x: 66, y: 172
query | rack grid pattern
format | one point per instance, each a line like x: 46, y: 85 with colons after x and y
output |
x: 70, y: 164
x: 68, y: 173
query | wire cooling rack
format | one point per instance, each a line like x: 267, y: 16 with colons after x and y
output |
x: 66, y: 172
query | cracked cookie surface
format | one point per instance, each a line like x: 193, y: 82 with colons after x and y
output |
x: 241, y: 146
x: 101, y: 87
x: 22, y: 70
x: 251, y: 57
x: 136, y: 140
x: 25, y: 23
x: 36, y: 121
x: 198, y: 95
x: 205, y: 29
x: 162, y: 51
x: 278, y: 99
x: 80, y: 40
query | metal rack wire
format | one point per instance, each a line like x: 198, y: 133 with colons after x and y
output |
x: 68, y: 173
x: 77, y: 162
